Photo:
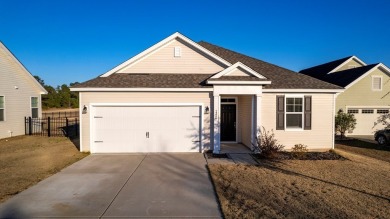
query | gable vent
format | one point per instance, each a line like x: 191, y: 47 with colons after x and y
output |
x: 177, y: 51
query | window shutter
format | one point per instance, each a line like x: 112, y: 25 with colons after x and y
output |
x: 307, y: 118
x: 279, y: 112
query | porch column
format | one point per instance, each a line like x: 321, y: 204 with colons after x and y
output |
x: 217, y: 124
x: 256, y: 116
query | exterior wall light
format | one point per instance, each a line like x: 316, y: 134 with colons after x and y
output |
x: 206, y: 110
x: 85, y: 109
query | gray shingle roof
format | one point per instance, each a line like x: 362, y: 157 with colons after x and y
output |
x: 345, y: 77
x: 123, y: 80
x: 324, y: 68
x: 280, y: 78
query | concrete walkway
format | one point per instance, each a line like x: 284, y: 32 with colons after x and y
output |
x: 126, y: 186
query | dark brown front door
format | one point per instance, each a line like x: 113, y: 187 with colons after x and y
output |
x: 228, y: 122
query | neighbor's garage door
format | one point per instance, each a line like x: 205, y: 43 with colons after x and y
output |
x: 146, y: 129
x: 367, y: 120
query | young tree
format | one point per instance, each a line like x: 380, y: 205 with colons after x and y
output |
x: 344, y: 122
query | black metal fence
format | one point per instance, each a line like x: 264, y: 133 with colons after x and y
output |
x: 56, y: 127
x: 61, y: 114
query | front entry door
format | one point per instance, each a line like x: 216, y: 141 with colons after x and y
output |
x: 228, y: 122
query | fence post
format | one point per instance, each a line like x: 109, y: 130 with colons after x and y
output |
x: 67, y: 126
x: 29, y: 126
x: 77, y: 127
x: 48, y: 126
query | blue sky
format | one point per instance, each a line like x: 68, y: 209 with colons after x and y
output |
x: 64, y: 41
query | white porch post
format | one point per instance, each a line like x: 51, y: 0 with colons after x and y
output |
x: 217, y: 129
x: 256, y: 116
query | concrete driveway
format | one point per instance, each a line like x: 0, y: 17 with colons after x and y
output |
x: 126, y: 186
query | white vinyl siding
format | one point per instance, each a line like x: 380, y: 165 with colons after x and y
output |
x: 34, y: 107
x: 376, y: 83
x: 17, y: 87
x: 164, y: 61
x: 244, y: 120
x: 294, y: 113
x: 320, y: 135
x: 2, y: 108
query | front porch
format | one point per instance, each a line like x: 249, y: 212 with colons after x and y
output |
x: 234, y: 148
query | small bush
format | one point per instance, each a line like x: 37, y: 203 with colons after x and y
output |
x: 299, y: 148
x: 266, y: 144
x: 299, y: 151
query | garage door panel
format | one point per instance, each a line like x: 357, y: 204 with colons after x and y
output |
x: 147, y: 129
x: 366, y: 123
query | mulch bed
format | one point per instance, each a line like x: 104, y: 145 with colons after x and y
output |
x: 330, y: 155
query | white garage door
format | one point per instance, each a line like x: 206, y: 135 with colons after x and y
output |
x: 118, y: 129
x: 367, y: 120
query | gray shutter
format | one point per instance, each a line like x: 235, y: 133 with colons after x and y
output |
x: 279, y: 112
x: 307, y: 113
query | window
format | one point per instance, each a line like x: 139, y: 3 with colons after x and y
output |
x: 367, y: 111
x: 353, y: 111
x: 228, y: 100
x: 294, y: 112
x: 34, y: 107
x: 377, y: 83
x: 382, y: 111
x: 2, y: 108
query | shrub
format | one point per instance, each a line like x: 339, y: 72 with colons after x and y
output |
x: 299, y: 148
x: 299, y: 151
x: 266, y: 144
x: 344, y: 122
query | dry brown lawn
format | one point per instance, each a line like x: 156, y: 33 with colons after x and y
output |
x: 365, y: 148
x: 355, y: 188
x: 26, y: 160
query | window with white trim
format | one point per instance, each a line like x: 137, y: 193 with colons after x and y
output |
x: 382, y: 111
x: 294, y: 112
x: 367, y: 111
x: 376, y: 83
x: 34, y: 107
x: 2, y: 108
x: 353, y: 111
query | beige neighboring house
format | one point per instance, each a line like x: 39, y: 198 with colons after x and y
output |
x: 367, y: 90
x: 186, y: 96
x: 20, y: 95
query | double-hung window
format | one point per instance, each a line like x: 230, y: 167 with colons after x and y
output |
x: 294, y: 112
x: 2, y: 108
x: 34, y: 107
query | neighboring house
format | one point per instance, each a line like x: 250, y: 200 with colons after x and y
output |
x: 366, y: 92
x: 20, y: 95
x: 183, y: 96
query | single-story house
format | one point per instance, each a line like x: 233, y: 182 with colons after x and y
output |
x: 183, y: 96
x: 20, y: 95
x: 367, y: 91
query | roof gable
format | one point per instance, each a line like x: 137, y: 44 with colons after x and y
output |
x: 241, y: 67
x: 379, y: 66
x: 176, y: 37
x: 24, y: 71
x: 342, y: 65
